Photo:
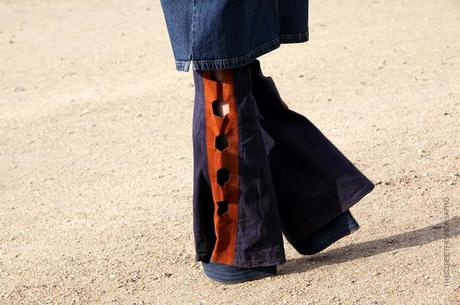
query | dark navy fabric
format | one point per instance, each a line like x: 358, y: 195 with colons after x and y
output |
x: 293, y: 180
x: 219, y: 34
x: 314, y: 181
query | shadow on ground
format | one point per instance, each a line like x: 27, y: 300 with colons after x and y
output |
x: 419, y: 237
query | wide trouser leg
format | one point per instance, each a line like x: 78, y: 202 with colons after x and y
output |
x: 235, y: 213
x: 313, y: 180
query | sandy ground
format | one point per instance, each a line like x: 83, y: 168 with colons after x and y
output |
x: 96, y: 155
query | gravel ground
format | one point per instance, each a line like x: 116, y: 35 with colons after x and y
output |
x: 96, y: 155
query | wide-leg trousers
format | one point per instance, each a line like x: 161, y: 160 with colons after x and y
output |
x: 261, y: 170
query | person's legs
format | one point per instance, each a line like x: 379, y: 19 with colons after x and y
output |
x: 235, y: 213
x: 315, y: 183
x: 261, y: 170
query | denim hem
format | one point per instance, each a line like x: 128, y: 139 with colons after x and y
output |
x: 182, y: 65
x: 328, y: 240
x: 294, y: 37
x: 235, y: 62
x: 328, y: 234
x: 228, y: 63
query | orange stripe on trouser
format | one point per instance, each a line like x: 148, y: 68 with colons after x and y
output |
x: 223, y: 162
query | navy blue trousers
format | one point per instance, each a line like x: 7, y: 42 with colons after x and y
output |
x: 261, y: 170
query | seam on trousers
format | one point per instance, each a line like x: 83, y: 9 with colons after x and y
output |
x: 234, y: 62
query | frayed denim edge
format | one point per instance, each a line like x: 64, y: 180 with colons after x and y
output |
x: 182, y: 65
x: 216, y: 64
x: 294, y: 38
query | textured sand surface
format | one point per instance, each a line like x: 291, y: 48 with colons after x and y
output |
x: 96, y: 155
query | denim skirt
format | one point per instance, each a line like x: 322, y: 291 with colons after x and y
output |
x: 221, y: 34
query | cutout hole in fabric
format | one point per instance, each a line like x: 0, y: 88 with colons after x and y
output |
x: 223, y: 175
x: 220, y: 108
x: 222, y: 207
x: 221, y: 142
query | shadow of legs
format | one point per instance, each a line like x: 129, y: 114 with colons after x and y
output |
x: 404, y: 240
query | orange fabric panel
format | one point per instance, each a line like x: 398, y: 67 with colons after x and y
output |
x: 226, y: 224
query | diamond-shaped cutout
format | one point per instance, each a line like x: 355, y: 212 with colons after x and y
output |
x: 220, y: 108
x: 223, y: 175
x: 221, y: 142
x: 222, y: 207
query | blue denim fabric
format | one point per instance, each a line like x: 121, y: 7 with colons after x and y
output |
x: 228, y: 274
x: 341, y: 226
x: 220, y: 34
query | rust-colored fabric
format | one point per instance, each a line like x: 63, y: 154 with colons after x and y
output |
x: 227, y: 125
